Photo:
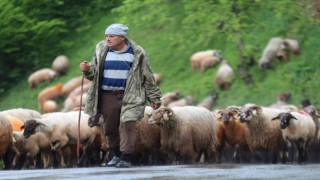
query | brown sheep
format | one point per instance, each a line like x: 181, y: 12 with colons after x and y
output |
x: 263, y: 134
x: 5, y: 140
x: 49, y: 93
x: 41, y: 75
x: 224, y: 75
x: 233, y: 132
x: 169, y: 97
x: 60, y: 64
x: 186, y: 131
x: 211, y: 57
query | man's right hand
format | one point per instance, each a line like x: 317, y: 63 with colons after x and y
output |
x: 84, y: 66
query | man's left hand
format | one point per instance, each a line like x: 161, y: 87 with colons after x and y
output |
x: 155, y: 105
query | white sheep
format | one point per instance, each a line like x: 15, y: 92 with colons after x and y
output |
x: 297, y: 128
x: 224, y: 75
x: 169, y: 97
x: 49, y: 106
x: 77, y: 91
x: 60, y: 64
x: 204, y: 59
x: 271, y: 52
x: 293, y: 46
x: 186, y: 131
x: 62, y: 129
x: 72, y: 84
x: 36, y: 144
x: 22, y: 113
x: 45, y: 74
x: 263, y: 134
x: 72, y: 102
x: 208, y: 101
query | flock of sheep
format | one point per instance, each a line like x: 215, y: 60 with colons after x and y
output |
x: 179, y: 132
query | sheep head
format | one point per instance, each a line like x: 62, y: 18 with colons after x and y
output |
x: 229, y: 114
x: 94, y: 120
x: 30, y: 127
x: 284, y: 118
x: 248, y: 112
x: 161, y: 115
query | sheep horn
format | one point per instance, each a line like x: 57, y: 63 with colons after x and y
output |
x: 169, y: 110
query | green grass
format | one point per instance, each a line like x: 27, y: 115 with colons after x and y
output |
x: 298, y: 77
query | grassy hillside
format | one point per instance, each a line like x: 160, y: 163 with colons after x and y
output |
x: 170, y: 58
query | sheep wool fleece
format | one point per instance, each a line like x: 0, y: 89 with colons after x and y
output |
x: 141, y: 85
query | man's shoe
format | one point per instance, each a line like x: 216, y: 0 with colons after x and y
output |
x: 123, y: 164
x: 114, y: 161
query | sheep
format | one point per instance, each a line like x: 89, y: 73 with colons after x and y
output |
x: 15, y: 122
x: 22, y: 113
x: 38, y: 144
x: 49, y: 106
x: 157, y: 77
x: 313, y: 112
x: 293, y: 46
x: 49, y: 93
x: 73, y: 83
x: 60, y: 64
x: 209, y: 101
x: 298, y: 128
x: 204, y: 59
x: 283, y: 99
x: 169, y: 97
x: 233, y: 132
x: 224, y: 75
x: 77, y: 91
x: 61, y: 129
x: 186, y: 130
x: 182, y: 102
x: 263, y: 134
x: 271, y: 52
x: 45, y: 74
x: 71, y: 103
x: 5, y: 140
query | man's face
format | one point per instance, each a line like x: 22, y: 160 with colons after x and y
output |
x: 114, y: 41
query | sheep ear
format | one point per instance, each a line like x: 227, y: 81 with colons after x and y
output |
x: 275, y: 118
x: 292, y: 117
x: 22, y: 127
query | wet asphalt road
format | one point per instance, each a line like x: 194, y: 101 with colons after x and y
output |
x: 213, y: 171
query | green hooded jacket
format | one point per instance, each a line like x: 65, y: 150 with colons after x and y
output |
x: 140, y: 87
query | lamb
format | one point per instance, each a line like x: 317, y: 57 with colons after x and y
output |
x: 60, y: 64
x: 22, y: 113
x: 204, y: 59
x: 186, y: 131
x: 182, y: 102
x: 62, y: 129
x: 224, y: 75
x: 271, y: 52
x: 233, y: 132
x: 73, y: 83
x: 298, y: 128
x: 45, y: 74
x: 263, y: 134
x: 169, y: 97
x: 49, y: 93
x: 36, y: 144
x: 5, y: 140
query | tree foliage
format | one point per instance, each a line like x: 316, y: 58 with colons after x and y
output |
x: 33, y: 33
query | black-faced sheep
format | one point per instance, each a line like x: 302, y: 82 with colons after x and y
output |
x: 5, y: 140
x: 62, y: 129
x: 186, y: 131
x: 232, y: 132
x: 60, y: 64
x: 263, y: 134
x: 224, y: 75
x: 203, y: 60
x: 297, y: 128
x: 41, y: 75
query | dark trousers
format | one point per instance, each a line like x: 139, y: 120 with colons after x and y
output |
x: 118, y: 134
